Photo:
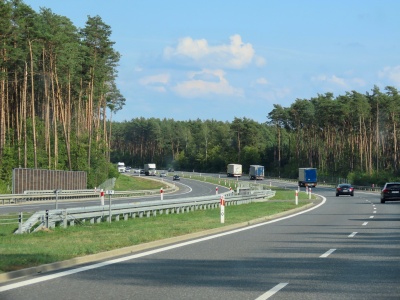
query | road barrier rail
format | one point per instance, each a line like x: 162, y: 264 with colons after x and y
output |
x: 9, y: 199
x: 96, y: 214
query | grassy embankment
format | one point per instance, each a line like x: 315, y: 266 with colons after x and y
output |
x: 27, y: 250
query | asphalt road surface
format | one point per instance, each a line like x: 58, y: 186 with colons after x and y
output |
x: 346, y: 248
x: 187, y: 188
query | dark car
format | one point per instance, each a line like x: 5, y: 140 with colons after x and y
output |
x: 390, y: 192
x: 176, y: 177
x: 344, y: 189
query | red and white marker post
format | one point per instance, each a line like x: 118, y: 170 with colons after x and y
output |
x: 101, y: 197
x: 216, y: 190
x: 162, y: 193
x: 297, y: 197
x: 222, y: 205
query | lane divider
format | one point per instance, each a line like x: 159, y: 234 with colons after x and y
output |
x: 353, y: 234
x: 327, y: 253
x: 272, y: 291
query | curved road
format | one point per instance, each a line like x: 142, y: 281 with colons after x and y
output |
x: 347, y: 248
x: 187, y: 188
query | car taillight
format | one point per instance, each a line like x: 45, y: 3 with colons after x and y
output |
x: 351, y: 189
x: 385, y: 191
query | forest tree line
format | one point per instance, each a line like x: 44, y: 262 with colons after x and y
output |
x: 353, y: 136
x: 56, y: 83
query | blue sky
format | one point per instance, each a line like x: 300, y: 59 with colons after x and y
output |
x: 211, y: 59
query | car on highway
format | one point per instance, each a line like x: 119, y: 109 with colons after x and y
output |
x: 344, y: 189
x: 176, y: 177
x: 163, y: 174
x: 390, y: 192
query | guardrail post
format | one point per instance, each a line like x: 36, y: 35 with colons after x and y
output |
x: 47, y: 218
x: 65, y: 221
x: 109, y: 208
x: 20, y: 221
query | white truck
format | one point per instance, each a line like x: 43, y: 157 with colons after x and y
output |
x: 150, y: 169
x: 234, y: 170
x: 121, y: 167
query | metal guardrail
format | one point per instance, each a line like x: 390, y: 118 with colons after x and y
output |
x: 70, y: 195
x: 97, y: 214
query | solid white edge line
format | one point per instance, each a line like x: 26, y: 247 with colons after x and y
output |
x: 353, y: 234
x: 272, y: 291
x: 327, y: 253
x: 134, y: 256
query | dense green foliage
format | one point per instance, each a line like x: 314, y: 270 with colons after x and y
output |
x: 352, y: 136
x: 56, y: 82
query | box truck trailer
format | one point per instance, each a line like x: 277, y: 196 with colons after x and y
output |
x: 256, y: 172
x: 308, y: 177
x: 150, y: 169
x: 234, y: 170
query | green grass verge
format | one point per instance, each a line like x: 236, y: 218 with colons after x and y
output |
x: 28, y: 250
x: 129, y: 183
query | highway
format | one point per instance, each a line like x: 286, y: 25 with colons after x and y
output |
x: 187, y: 188
x: 346, y: 248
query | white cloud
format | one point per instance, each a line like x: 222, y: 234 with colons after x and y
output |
x: 330, y: 79
x: 156, y: 82
x: 159, y: 78
x: 339, y: 81
x: 262, y: 81
x: 235, y: 55
x: 392, y: 73
x: 206, y: 83
x: 260, y: 61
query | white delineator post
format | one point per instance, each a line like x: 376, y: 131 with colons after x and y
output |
x: 216, y: 190
x: 309, y: 193
x: 222, y: 205
x: 162, y: 193
x: 307, y: 189
x: 297, y: 197
x: 101, y: 197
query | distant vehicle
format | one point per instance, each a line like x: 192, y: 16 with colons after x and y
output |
x: 163, y: 174
x: 256, y: 172
x: 344, y: 189
x: 171, y: 170
x: 234, y: 170
x: 150, y: 169
x: 176, y: 177
x: 141, y: 171
x: 390, y: 192
x: 121, y: 167
x: 308, y: 177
